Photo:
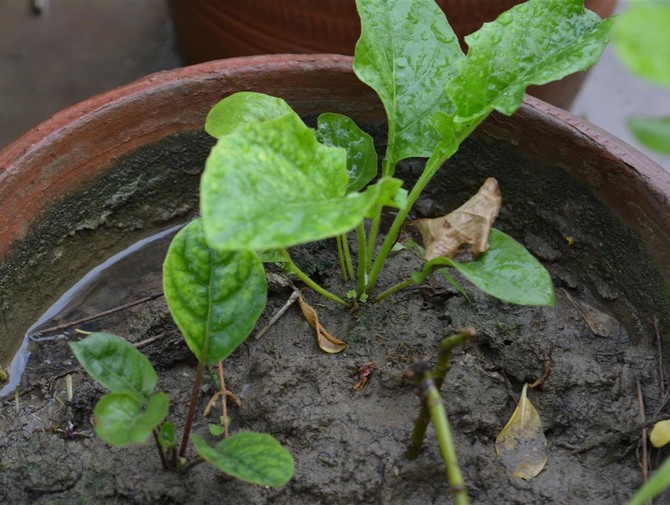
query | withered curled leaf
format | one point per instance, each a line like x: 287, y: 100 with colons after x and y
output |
x: 327, y: 342
x: 463, y: 234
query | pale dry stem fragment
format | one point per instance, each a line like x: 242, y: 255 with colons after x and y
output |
x: 463, y: 234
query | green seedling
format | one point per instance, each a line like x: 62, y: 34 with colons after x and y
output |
x: 215, y: 299
x: 271, y: 182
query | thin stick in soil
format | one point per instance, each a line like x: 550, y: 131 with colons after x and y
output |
x: 659, y: 345
x: 295, y: 295
x: 643, y: 433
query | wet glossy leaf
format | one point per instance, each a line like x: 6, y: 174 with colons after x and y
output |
x: 339, y: 131
x: 660, y: 434
x: 327, y: 342
x: 273, y: 185
x: 653, y: 132
x: 215, y: 297
x: 521, y: 445
x: 533, y: 43
x: 252, y: 457
x: 121, y: 420
x: 243, y: 108
x: 509, y: 272
x: 657, y: 483
x: 407, y: 53
x: 463, y: 233
x: 642, y: 40
x: 116, y: 364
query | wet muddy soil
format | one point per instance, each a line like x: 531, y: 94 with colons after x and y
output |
x: 599, y: 340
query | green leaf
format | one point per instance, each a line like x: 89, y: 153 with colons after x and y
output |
x: 642, y: 40
x: 535, y: 42
x: 116, y: 364
x: 243, y: 108
x: 215, y: 297
x: 509, y: 272
x: 657, y: 483
x: 252, y: 457
x: 120, y: 419
x: 274, y: 185
x: 339, y: 131
x: 216, y: 430
x: 653, y: 132
x: 407, y: 53
x: 166, y: 435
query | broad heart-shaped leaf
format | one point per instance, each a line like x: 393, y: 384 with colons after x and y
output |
x: 116, y: 364
x: 340, y: 131
x: 252, y: 457
x: 243, y: 108
x: 533, y: 43
x: 120, y: 419
x: 642, y: 40
x: 273, y: 185
x: 653, y: 132
x: 215, y: 297
x: 407, y: 53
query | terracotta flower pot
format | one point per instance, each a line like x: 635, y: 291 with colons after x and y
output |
x: 211, y: 29
x: 98, y: 175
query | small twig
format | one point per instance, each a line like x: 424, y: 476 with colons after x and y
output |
x: 659, y: 346
x: 545, y: 374
x: 223, y: 393
x: 65, y: 326
x: 640, y: 403
x: 292, y: 299
x: 187, y: 466
x: 150, y: 340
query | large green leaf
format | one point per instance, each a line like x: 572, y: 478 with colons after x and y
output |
x: 215, y: 297
x: 273, y: 185
x: 653, y: 132
x: 340, y: 131
x: 509, y: 272
x: 121, y: 420
x: 642, y: 40
x: 116, y: 364
x: 407, y: 53
x: 252, y: 457
x: 533, y: 43
x: 243, y: 108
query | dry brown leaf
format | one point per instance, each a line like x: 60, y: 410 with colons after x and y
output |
x: 601, y: 324
x: 464, y: 233
x: 327, y: 342
x: 521, y: 444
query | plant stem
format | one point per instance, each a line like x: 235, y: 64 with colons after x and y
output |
x: 305, y: 278
x: 393, y: 289
x: 224, y: 400
x: 362, y: 260
x: 432, y: 399
x: 340, y: 256
x: 372, y: 237
x: 438, y: 374
x: 161, y: 452
x: 347, y: 257
x: 192, y: 406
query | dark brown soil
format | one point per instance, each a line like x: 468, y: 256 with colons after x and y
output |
x: 350, y: 446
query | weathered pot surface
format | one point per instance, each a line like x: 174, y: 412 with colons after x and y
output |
x: 128, y: 161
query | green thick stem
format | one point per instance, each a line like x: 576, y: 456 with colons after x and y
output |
x: 393, y: 289
x: 340, y: 256
x: 432, y: 399
x: 372, y: 237
x: 438, y: 374
x: 362, y: 260
x: 313, y: 285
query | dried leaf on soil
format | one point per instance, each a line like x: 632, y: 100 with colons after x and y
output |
x: 464, y: 233
x: 660, y: 433
x: 327, y: 342
x: 601, y: 324
x: 521, y: 445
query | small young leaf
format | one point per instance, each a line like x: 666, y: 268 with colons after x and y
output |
x: 642, y: 41
x: 216, y: 430
x: 535, y: 42
x: 337, y: 130
x: 652, y: 132
x: 215, y: 297
x: 120, y: 419
x: 243, y: 108
x: 252, y: 457
x: 116, y: 364
x: 521, y: 444
x: 407, y: 53
x: 273, y: 185
x: 509, y: 272
x: 166, y: 435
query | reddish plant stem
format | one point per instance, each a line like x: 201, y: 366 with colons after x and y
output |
x: 191, y: 408
x: 161, y: 453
